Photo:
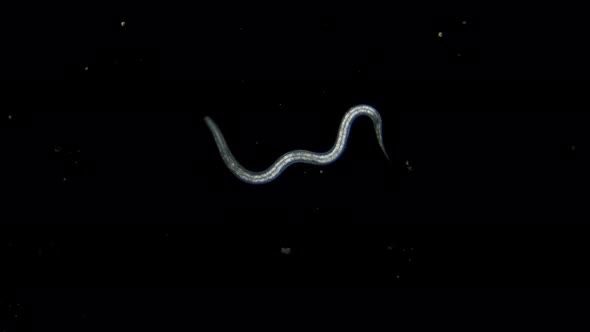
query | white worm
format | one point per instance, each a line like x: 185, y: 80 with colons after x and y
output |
x: 297, y: 156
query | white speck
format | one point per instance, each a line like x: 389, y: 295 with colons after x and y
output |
x: 10, y: 117
x: 458, y: 54
x: 464, y: 22
x: 64, y: 179
x: 317, y: 209
x: 285, y: 251
x: 321, y: 171
x: 256, y: 142
x: 86, y: 68
x: 397, y: 276
x: 440, y: 34
x: 123, y: 23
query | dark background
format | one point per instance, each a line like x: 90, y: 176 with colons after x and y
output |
x: 118, y: 213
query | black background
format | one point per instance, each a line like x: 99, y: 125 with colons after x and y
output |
x: 119, y: 214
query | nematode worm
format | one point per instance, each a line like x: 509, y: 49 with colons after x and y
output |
x: 297, y: 156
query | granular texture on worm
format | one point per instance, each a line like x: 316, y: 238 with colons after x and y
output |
x: 298, y: 156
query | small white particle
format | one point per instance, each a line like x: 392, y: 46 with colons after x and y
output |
x: 285, y: 251
x: 464, y: 22
x: 64, y: 179
x: 458, y: 54
x: 256, y: 142
x: 86, y: 68
x: 123, y: 23
x: 440, y: 34
x: 10, y: 117
x: 321, y: 171
x: 397, y: 276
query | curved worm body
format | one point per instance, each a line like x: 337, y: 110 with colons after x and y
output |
x: 297, y: 156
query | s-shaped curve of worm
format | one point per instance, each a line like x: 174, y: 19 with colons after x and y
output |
x: 297, y: 156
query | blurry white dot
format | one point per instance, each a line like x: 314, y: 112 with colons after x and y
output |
x: 9, y: 117
x: 389, y: 248
x: 256, y: 142
x: 458, y: 54
x: 304, y: 172
x: 86, y: 68
x: 397, y: 276
x: 285, y: 251
x: 123, y: 23
x: 440, y: 34
x: 464, y: 22
x: 321, y: 171
x: 64, y: 179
